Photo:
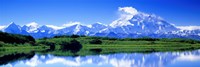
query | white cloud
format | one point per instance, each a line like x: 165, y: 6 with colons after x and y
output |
x: 126, y: 13
x: 128, y: 10
x: 189, y: 27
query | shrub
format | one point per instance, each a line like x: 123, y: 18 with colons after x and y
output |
x: 45, y: 42
x: 152, y: 42
x: 61, y: 36
x: 96, y: 50
x: 52, y: 47
x: 96, y: 41
x: 64, y: 46
x: 33, y: 43
x: 74, y: 36
x: 74, y: 46
x: 30, y: 38
x: 1, y: 44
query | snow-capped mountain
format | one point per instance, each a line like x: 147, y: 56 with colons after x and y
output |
x: 74, y: 29
x: 13, y: 28
x: 131, y: 24
x: 31, y: 27
x: 139, y: 22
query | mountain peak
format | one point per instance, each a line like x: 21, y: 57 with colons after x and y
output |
x: 129, y: 16
x: 13, y: 28
x: 11, y: 23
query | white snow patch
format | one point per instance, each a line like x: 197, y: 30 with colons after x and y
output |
x: 198, y: 34
x: 90, y: 26
x: 143, y: 27
x: 55, y: 27
x: 103, y: 30
x: 87, y: 32
x: 160, y: 28
x: 160, y: 23
x: 2, y: 27
x: 33, y: 24
x: 70, y: 24
x: 43, y: 31
x: 101, y: 23
x: 33, y: 27
x: 77, y: 29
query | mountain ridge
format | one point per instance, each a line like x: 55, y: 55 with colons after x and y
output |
x: 130, y: 24
x: 98, y: 29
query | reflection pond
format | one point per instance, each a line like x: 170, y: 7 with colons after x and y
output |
x: 157, y: 59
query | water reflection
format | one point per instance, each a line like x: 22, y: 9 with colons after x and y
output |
x: 15, y: 56
x: 158, y: 59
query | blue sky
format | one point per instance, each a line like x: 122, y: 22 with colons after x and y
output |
x: 58, y: 12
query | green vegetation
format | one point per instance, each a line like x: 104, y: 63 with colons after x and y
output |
x: 16, y: 43
x: 96, y: 41
x: 105, y: 45
x: 87, y: 45
x: 74, y: 46
x: 16, y: 38
x: 15, y: 47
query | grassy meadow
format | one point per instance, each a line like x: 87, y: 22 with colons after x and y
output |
x: 97, y: 45
x: 128, y: 45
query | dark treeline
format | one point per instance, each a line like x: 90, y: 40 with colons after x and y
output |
x: 71, y: 36
x: 97, y: 39
x: 16, y: 38
x: 106, y: 38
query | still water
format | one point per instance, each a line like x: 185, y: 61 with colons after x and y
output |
x: 157, y: 59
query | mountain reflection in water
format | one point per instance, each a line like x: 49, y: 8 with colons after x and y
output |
x: 158, y: 59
